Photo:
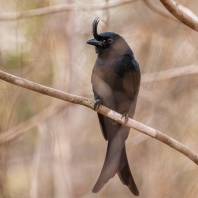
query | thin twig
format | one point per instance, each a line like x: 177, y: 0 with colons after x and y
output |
x: 178, y: 11
x: 170, y: 73
x: 34, y: 187
x: 19, y: 130
x: 102, y: 110
x: 60, y: 8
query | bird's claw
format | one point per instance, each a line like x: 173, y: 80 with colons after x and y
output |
x: 97, y: 104
x: 126, y: 118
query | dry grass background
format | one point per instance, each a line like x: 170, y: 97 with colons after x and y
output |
x: 61, y: 155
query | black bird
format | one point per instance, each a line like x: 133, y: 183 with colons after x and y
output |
x: 116, y: 81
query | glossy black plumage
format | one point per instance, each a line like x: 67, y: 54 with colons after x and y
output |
x: 115, y: 80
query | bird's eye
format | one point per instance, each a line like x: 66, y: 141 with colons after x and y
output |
x: 107, y: 40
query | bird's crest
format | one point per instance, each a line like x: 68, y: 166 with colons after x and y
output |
x: 94, y: 26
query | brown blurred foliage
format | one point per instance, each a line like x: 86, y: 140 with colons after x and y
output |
x: 62, y: 155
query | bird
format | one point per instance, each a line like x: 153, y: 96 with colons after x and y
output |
x: 115, y: 82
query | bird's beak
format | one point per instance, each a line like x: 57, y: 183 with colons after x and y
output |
x: 94, y: 42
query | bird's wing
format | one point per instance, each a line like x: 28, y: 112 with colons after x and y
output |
x: 127, y: 85
x: 131, y: 77
x: 131, y: 84
x: 103, y: 92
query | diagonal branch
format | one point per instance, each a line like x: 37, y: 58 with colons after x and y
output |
x: 102, y: 109
x: 157, y: 11
x: 19, y: 130
x: 60, y: 8
x: 183, y: 14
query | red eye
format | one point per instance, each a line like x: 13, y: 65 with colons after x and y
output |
x: 109, y: 40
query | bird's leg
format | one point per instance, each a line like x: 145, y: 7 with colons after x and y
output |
x: 126, y: 118
x: 97, y: 104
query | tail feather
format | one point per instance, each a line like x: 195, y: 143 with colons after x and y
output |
x: 125, y: 174
x: 109, y: 168
x: 116, y: 162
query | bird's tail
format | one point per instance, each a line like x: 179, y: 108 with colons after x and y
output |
x: 125, y: 174
x: 116, y: 162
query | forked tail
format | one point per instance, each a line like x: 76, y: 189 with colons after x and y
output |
x: 116, y: 162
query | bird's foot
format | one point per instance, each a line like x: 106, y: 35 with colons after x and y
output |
x: 126, y: 118
x: 97, y: 104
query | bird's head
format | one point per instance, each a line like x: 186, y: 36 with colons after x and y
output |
x: 106, y: 41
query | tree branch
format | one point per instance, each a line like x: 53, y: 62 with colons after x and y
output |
x: 19, y: 130
x: 102, y: 110
x: 183, y: 14
x: 157, y: 11
x: 60, y: 8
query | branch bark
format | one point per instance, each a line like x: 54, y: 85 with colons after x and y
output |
x: 157, y: 11
x: 178, y: 11
x: 102, y: 110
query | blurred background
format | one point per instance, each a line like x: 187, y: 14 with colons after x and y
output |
x: 55, y: 148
